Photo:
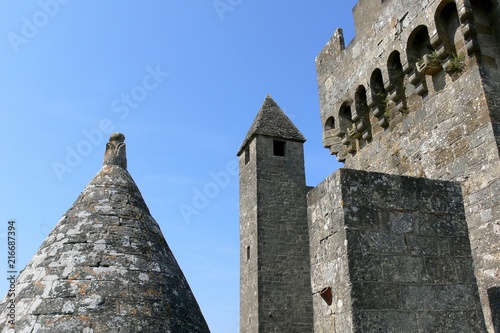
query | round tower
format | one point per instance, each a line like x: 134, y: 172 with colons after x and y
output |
x: 105, y: 267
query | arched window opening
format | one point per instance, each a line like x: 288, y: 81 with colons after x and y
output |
x: 448, y: 24
x: 451, y: 44
x: 379, y: 95
x: 345, y: 118
x: 330, y: 124
x: 395, y: 69
x: 396, y: 80
x: 361, y: 128
x: 419, y: 44
x: 332, y: 136
x: 345, y: 128
x: 421, y: 53
x: 422, y: 59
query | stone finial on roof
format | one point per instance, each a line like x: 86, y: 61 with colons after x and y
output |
x: 116, y: 151
x: 272, y: 121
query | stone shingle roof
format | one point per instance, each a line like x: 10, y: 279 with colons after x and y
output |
x: 272, y: 121
x: 105, y: 267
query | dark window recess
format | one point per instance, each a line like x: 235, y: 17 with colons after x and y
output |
x: 279, y: 148
x: 494, y: 298
x: 330, y: 124
x: 247, y: 154
x: 248, y: 252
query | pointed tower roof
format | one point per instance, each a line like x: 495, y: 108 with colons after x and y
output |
x: 105, y: 267
x: 272, y: 121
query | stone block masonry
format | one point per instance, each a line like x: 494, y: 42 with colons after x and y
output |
x: 417, y: 93
x: 275, y: 272
x: 394, y: 252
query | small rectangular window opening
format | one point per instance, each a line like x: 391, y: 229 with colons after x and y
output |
x: 248, y: 252
x: 247, y: 154
x: 279, y: 148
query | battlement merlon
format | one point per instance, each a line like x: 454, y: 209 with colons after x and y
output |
x: 364, y: 12
x: 370, y: 15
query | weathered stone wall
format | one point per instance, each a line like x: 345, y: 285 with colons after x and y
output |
x: 274, y: 231
x: 383, y: 110
x: 395, y: 253
x: 249, y: 303
x: 329, y: 258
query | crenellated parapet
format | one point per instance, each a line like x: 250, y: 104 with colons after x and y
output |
x: 402, y: 54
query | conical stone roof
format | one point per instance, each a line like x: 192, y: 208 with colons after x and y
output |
x: 272, y: 121
x: 105, y: 267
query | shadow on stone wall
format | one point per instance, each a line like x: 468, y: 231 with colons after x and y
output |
x: 494, y: 297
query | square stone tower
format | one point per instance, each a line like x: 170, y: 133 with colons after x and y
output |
x: 275, y: 275
x: 391, y: 254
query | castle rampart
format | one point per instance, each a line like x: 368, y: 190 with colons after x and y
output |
x: 417, y: 92
x: 390, y: 254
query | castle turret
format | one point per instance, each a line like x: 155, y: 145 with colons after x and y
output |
x: 105, y: 267
x: 275, y: 279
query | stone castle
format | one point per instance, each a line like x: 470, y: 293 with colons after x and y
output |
x: 406, y: 237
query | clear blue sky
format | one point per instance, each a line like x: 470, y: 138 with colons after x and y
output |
x: 183, y: 80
